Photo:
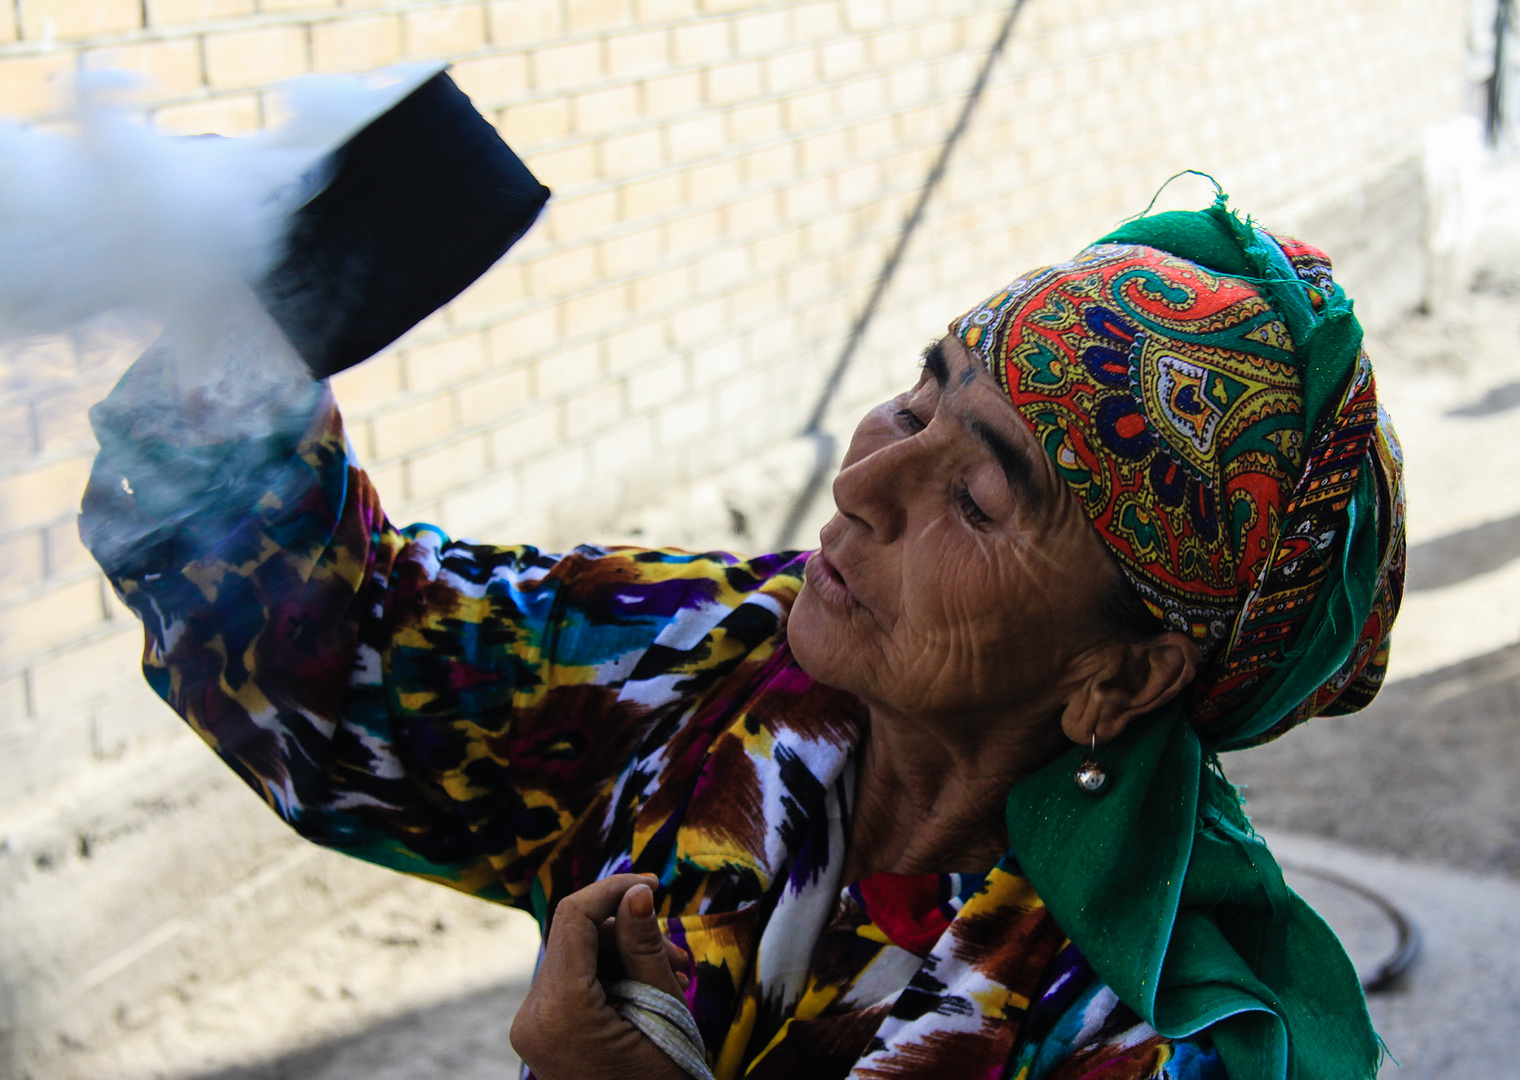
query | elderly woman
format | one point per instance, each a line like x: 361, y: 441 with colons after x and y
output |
x: 939, y: 799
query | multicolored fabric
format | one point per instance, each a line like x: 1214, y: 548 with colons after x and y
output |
x: 1172, y: 401
x: 517, y: 725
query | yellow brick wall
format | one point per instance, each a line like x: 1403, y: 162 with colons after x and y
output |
x: 728, y: 177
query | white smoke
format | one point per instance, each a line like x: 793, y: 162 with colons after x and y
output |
x: 107, y: 214
x: 108, y: 223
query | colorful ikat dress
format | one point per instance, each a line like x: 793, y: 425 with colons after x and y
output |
x: 517, y: 725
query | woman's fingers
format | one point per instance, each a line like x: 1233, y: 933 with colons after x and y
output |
x: 609, y: 962
x: 645, y: 952
x: 571, y: 951
x: 679, y: 958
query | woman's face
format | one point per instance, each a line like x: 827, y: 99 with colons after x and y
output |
x: 959, y: 577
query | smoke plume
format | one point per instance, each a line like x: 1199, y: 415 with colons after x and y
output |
x: 106, y: 222
x: 106, y: 214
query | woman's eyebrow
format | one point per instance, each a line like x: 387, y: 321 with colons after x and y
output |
x: 1014, y: 463
x: 936, y: 364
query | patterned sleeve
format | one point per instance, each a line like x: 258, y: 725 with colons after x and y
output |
x: 440, y: 707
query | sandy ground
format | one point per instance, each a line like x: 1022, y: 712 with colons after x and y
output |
x: 1418, y: 797
x: 420, y: 983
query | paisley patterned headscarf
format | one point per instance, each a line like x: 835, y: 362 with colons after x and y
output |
x: 1200, y: 384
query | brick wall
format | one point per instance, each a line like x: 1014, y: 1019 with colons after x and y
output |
x: 728, y: 177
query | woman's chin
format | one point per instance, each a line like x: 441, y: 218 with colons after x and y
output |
x: 817, y: 641
x: 806, y: 632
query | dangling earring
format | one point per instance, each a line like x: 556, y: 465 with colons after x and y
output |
x: 1092, y: 777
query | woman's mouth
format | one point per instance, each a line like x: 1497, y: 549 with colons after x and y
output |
x: 827, y: 581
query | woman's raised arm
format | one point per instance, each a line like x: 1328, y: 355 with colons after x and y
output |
x: 443, y: 708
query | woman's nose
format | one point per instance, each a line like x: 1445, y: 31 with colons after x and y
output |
x: 876, y: 490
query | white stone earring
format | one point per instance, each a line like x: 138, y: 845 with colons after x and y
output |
x: 1092, y: 777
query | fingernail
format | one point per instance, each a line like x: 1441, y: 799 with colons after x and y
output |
x: 641, y: 902
x: 682, y: 979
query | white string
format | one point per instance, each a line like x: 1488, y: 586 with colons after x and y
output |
x: 665, y: 1020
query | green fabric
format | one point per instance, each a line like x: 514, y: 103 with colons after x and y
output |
x: 1184, y: 912
x: 1160, y: 880
x: 1209, y: 241
x: 1328, y: 639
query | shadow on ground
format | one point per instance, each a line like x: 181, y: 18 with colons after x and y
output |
x: 462, y: 1039
x: 1429, y: 772
x: 1498, y: 399
x: 1451, y: 560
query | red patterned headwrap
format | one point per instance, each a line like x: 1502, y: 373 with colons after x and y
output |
x: 1228, y: 480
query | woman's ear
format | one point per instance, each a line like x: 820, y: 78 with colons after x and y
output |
x: 1126, y: 680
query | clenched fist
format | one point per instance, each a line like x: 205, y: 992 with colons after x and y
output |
x: 565, y: 1029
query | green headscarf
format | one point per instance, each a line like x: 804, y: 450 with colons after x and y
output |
x: 1201, y: 385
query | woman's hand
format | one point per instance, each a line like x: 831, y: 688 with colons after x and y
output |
x: 565, y: 1029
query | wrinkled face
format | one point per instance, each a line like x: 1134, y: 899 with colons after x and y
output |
x: 959, y: 578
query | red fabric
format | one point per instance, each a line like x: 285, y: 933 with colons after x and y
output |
x: 910, y: 909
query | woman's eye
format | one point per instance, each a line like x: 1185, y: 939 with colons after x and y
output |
x: 910, y: 420
x: 973, y: 512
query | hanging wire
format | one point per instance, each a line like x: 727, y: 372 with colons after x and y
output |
x: 823, y: 442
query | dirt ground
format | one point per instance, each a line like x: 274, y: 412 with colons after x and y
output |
x: 1430, y: 772
x: 419, y: 983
